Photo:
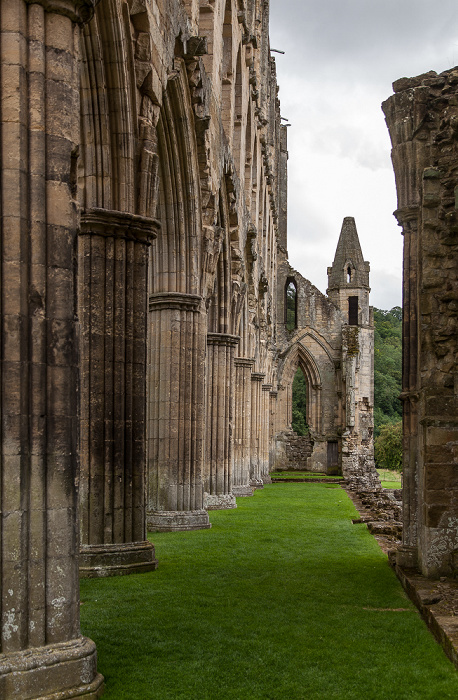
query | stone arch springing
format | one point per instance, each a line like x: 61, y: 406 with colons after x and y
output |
x: 219, y: 304
x: 108, y: 124
x: 175, y: 258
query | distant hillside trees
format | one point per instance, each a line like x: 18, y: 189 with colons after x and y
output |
x: 387, y: 387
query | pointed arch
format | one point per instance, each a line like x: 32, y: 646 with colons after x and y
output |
x: 300, y: 357
x: 108, y: 122
x: 175, y: 254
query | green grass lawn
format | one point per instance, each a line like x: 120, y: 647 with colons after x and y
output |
x: 282, y: 599
x: 389, y: 479
x: 302, y: 475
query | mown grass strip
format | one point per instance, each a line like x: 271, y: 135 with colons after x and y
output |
x: 283, y: 598
x: 304, y: 475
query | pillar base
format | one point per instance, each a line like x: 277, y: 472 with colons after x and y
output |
x: 52, y: 672
x: 222, y: 501
x: 257, y: 483
x: 407, y: 556
x: 240, y: 491
x: 266, y: 479
x: 102, y: 560
x: 175, y: 520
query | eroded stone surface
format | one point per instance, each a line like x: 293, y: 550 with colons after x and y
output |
x: 422, y: 119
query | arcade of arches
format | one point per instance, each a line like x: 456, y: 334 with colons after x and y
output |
x: 148, y: 347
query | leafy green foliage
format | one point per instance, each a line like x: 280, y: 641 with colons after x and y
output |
x: 388, y: 447
x: 282, y: 599
x: 387, y: 366
x: 299, y: 422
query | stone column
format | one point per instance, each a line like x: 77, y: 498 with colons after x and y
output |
x: 272, y: 427
x: 219, y: 421
x: 256, y: 431
x: 176, y: 421
x: 242, y: 441
x: 112, y: 302
x: 42, y: 652
x: 265, y: 434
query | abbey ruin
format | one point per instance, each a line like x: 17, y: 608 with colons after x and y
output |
x: 147, y: 354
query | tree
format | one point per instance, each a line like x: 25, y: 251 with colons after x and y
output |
x: 388, y: 447
x: 387, y: 367
x: 299, y: 421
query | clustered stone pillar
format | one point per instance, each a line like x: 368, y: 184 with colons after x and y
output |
x: 176, y: 418
x: 219, y: 421
x: 112, y: 302
x: 242, y: 438
x: 42, y: 652
x: 256, y: 430
x: 272, y: 426
x: 265, y: 433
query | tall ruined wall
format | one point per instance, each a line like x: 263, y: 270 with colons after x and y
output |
x: 335, y: 351
x: 314, y: 346
x: 139, y: 195
x: 422, y: 118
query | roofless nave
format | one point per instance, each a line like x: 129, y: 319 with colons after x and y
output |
x: 145, y: 354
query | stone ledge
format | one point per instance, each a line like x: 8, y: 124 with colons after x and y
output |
x: 437, y: 602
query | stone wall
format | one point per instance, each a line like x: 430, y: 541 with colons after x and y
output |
x: 422, y: 118
x: 293, y: 452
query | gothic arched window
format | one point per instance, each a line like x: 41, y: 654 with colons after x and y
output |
x: 290, y: 305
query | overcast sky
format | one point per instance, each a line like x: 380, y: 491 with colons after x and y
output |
x: 341, y: 58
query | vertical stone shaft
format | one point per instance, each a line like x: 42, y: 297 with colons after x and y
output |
x: 112, y: 298
x: 273, y: 407
x: 219, y: 421
x: 410, y: 387
x: 176, y: 413
x: 41, y: 650
x: 256, y: 430
x: 265, y: 435
x: 242, y: 443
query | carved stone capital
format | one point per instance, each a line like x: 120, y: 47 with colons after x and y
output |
x: 118, y: 224
x: 273, y: 394
x: 244, y: 362
x: 175, y: 300
x: 257, y: 376
x: 222, y: 339
x: 405, y: 215
x: 266, y: 387
x: 80, y: 11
